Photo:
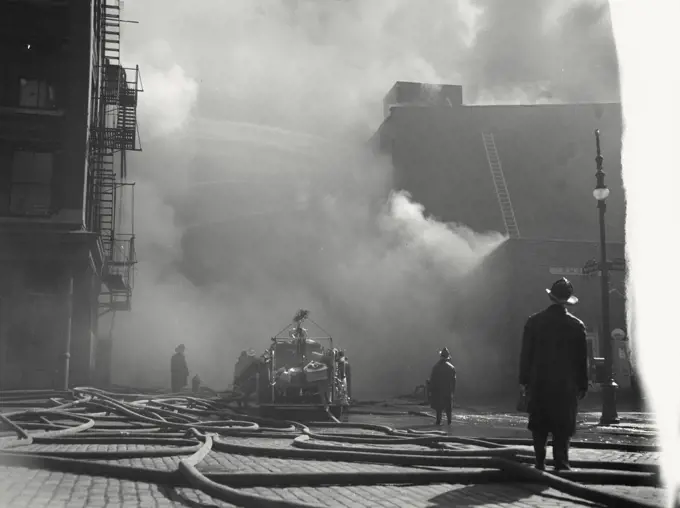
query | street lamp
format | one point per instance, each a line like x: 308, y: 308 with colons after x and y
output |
x: 609, y: 386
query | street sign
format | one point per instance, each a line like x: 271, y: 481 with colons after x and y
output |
x: 618, y: 334
x: 591, y: 266
x: 566, y: 270
x: 617, y: 265
x: 614, y: 265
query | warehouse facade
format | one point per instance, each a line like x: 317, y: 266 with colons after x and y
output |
x: 67, y: 119
x: 527, y: 172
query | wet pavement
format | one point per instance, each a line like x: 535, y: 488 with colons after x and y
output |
x: 634, y: 427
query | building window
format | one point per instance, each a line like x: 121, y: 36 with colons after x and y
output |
x: 31, y: 183
x: 35, y: 93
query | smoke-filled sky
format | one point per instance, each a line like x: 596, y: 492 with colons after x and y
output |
x: 269, y: 103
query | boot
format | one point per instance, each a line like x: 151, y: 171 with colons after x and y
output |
x: 539, y: 461
x: 561, y: 453
x: 540, y: 442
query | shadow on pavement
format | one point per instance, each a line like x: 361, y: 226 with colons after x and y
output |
x: 483, y: 495
x: 183, y: 497
x: 496, y: 494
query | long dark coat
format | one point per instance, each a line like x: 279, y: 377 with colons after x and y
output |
x: 554, y: 366
x: 179, y: 371
x: 442, y: 385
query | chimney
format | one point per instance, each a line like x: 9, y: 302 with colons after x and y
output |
x: 405, y: 93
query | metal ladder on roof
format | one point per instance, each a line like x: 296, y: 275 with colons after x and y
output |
x: 502, y: 193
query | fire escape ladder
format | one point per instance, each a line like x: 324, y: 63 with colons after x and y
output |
x: 502, y: 193
x: 113, y: 134
x: 105, y: 183
x: 111, y: 39
x: 120, y: 266
x: 127, y: 110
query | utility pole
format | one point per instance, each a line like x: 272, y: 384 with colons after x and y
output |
x: 609, y: 386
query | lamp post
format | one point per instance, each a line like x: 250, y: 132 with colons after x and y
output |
x: 609, y: 386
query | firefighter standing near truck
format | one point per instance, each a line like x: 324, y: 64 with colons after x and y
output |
x: 554, y: 373
x: 179, y: 371
x: 442, y: 386
x: 344, y: 374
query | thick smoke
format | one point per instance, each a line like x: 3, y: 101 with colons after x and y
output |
x: 234, y: 91
x: 539, y: 51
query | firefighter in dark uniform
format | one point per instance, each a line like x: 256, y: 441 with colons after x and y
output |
x: 554, y: 373
x: 344, y: 373
x: 179, y: 371
x: 196, y: 384
x: 442, y: 386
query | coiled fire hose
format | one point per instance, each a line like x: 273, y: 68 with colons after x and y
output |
x: 191, y: 427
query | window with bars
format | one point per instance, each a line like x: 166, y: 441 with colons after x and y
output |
x: 30, y: 190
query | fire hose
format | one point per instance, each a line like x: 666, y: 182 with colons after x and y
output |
x: 192, y: 427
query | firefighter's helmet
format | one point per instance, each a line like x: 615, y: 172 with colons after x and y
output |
x: 562, y: 292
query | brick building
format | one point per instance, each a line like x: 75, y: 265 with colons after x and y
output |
x: 525, y: 171
x: 67, y: 119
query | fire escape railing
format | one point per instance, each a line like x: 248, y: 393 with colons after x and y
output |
x: 113, y: 133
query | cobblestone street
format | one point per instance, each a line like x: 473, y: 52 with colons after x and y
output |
x: 28, y: 487
x: 253, y: 251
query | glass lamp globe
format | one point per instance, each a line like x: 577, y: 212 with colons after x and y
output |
x: 601, y: 194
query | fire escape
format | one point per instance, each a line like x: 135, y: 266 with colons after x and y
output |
x: 114, y: 132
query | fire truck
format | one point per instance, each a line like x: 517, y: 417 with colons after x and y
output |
x: 299, y: 372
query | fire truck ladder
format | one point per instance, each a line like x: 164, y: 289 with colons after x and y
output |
x: 502, y: 193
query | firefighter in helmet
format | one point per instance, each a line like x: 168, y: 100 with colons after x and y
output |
x: 442, y: 386
x: 179, y: 371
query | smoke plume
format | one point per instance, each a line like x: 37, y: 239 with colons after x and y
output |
x: 256, y: 192
x: 537, y: 51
